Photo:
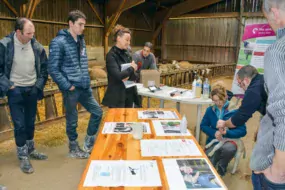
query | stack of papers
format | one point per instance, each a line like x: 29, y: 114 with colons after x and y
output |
x: 123, y: 127
x: 173, y: 147
x: 157, y: 114
x: 122, y: 173
x: 168, y: 128
x: 128, y: 83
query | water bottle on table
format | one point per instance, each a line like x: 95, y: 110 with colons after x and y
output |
x: 183, y: 125
x: 206, y: 89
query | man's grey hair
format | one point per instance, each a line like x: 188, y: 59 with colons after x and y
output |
x: 148, y: 44
x: 268, y: 4
x: 247, y: 71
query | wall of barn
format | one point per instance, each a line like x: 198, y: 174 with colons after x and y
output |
x: 201, y: 40
x: 50, y: 16
x: 207, y: 40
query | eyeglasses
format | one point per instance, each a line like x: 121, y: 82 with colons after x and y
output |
x: 240, y: 83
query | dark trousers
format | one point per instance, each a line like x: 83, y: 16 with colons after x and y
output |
x: 86, y: 99
x: 23, y: 106
x: 260, y: 182
x: 222, y: 156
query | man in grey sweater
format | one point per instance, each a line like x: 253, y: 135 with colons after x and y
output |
x: 145, y: 61
x: 144, y: 58
x: 267, y: 160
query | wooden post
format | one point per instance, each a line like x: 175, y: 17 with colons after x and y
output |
x: 240, y: 28
x: 10, y: 7
x: 49, y: 107
x: 163, y: 42
x: 4, y: 118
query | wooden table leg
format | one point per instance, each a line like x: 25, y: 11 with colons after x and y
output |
x: 161, y: 104
x: 199, y: 110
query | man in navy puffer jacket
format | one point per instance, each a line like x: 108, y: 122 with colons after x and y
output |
x: 68, y: 67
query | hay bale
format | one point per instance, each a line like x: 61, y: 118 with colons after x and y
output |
x: 185, y: 65
x: 163, y: 68
x: 97, y: 73
x: 99, y: 64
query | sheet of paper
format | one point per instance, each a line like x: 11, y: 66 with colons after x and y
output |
x: 142, y: 173
x: 168, y: 128
x: 171, y: 147
x: 190, y: 173
x: 129, y: 84
x: 125, y: 66
x: 157, y: 114
x: 123, y: 128
x: 116, y: 173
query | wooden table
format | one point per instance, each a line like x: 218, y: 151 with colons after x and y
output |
x: 124, y: 147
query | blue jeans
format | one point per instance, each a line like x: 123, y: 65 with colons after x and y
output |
x: 260, y: 182
x: 222, y: 156
x: 22, y: 102
x: 86, y: 99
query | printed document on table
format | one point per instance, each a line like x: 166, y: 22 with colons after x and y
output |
x: 191, y: 173
x: 116, y: 173
x: 157, y: 114
x: 168, y: 128
x: 171, y: 147
x: 123, y: 127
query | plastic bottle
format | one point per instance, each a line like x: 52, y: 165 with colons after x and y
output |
x: 206, y: 89
x: 194, y: 88
x: 183, y: 125
x: 198, y: 88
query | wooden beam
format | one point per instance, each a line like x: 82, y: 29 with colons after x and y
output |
x: 35, y: 4
x: 185, y: 7
x: 218, y: 15
x: 64, y: 23
x: 95, y: 11
x: 29, y: 9
x: 111, y: 20
x: 132, y: 3
x: 256, y: 14
x: 10, y: 7
x: 147, y: 21
x: 157, y: 31
x: 207, y: 15
x: 140, y: 29
x: 114, y: 19
x: 109, y: 25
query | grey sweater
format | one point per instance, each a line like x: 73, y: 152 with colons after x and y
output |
x: 23, y: 72
x: 271, y: 134
x: 147, y: 62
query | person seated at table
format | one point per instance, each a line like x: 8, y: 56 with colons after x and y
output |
x: 220, y: 110
x: 117, y: 95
